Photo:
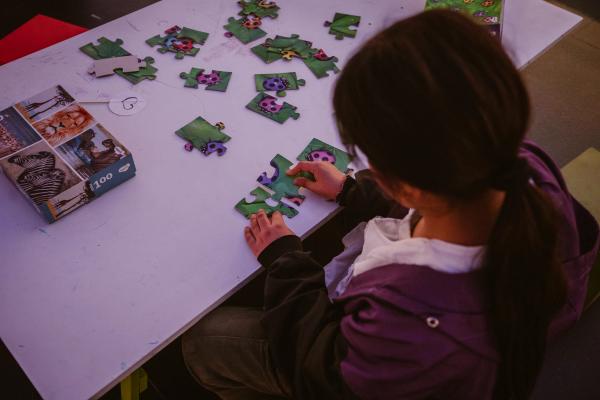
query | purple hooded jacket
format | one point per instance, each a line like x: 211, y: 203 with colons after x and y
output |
x: 403, y: 331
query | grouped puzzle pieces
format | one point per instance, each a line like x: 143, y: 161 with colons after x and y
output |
x: 340, y: 26
x: 260, y: 203
x: 205, y: 137
x: 280, y: 182
x: 267, y: 106
x: 278, y: 83
x: 247, y: 28
x: 215, y: 80
x: 108, y: 49
x: 283, y: 186
x: 180, y: 41
x: 288, y: 48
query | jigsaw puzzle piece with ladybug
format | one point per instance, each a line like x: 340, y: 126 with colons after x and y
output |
x: 283, y: 47
x: 282, y: 184
x: 340, y: 26
x: 205, y: 137
x: 246, y: 29
x: 318, y: 150
x: 266, y: 105
x: 260, y: 8
x: 320, y: 63
x: 215, y: 80
x: 278, y: 83
x: 260, y: 203
x: 108, y: 49
x: 180, y: 41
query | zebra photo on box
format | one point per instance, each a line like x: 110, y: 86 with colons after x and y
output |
x: 40, y: 180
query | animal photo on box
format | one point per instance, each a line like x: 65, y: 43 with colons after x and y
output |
x: 15, y: 132
x: 44, y: 104
x: 39, y: 172
x: 92, y: 151
x: 64, y: 124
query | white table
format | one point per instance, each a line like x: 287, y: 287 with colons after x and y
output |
x: 87, y: 300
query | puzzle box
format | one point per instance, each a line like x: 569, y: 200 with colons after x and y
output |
x: 58, y: 155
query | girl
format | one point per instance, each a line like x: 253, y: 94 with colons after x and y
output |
x: 470, y: 257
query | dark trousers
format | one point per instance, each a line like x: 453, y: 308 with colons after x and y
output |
x: 227, y: 352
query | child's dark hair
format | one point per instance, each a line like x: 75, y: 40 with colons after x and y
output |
x: 434, y: 101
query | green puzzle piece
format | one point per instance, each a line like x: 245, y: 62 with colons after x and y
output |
x: 216, y: 80
x: 267, y: 106
x: 108, y: 49
x: 260, y: 8
x: 282, y: 47
x: 318, y: 150
x: 260, y: 203
x: 235, y: 27
x: 205, y: 137
x: 279, y: 82
x: 319, y: 66
x: 180, y: 41
x: 280, y: 183
x: 340, y: 27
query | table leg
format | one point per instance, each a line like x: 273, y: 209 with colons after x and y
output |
x: 134, y: 385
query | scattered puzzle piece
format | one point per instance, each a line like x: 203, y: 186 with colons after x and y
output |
x: 204, y: 136
x: 108, y: 49
x: 246, y: 29
x: 260, y: 8
x: 260, y: 203
x: 340, y: 27
x: 319, y: 63
x: 180, y: 41
x: 278, y: 83
x: 267, y: 106
x: 318, y: 150
x: 107, y: 66
x: 280, y: 183
x: 282, y: 47
x: 216, y: 80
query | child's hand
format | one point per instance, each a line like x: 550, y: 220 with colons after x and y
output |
x: 328, y: 180
x: 262, y: 231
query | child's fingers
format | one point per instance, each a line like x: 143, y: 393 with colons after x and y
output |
x: 250, y: 239
x: 277, y: 218
x: 305, y: 183
x: 254, y: 223
x: 301, y: 167
x: 263, y: 220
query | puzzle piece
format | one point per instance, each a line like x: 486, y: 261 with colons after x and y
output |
x: 216, y: 80
x: 260, y: 203
x: 180, y: 41
x: 278, y: 83
x: 318, y: 150
x: 267, y: 106
x: 107, y: 66
x: 260, y: 8
x: 108, y: 49
x: 246, y: 29
x: 204, y: 136
x: 282, y: 47
x: 280, y: 183
x: 340, y: 27
x: 319, y: 63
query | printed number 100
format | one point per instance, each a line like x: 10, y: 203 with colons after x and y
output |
x: 102, y: 180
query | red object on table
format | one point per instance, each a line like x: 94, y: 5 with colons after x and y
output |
x: 36, y: 34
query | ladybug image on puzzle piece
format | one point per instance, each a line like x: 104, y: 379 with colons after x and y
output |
x: 209, y: 79
x: 252, y: 22
x: 269, y: 105
x: 213, y: 147
x: 321, y: 55
x: 487, y: 3
x: 275, y: 84
x: 321, y: 155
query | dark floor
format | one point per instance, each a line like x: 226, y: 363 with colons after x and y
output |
x: 560, y: 110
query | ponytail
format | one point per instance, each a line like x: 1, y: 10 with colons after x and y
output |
x: 524, y: 279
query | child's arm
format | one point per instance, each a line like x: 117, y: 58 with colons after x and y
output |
x: 302, y: 325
